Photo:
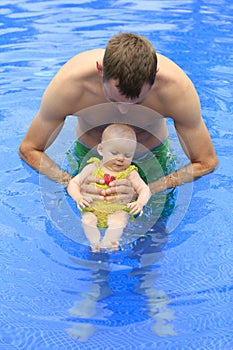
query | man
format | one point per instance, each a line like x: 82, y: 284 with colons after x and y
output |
x: 130, y: 72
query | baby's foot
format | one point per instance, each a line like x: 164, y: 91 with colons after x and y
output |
x: 115, y: 245
x: 111, y: 245
x: 95, y: 247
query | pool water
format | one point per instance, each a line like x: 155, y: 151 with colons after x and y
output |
x: 171, y: 289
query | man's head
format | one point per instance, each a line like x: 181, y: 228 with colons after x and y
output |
x: 131, y: 62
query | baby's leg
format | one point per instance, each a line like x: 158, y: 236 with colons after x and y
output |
x: 116, y: 225
x: 89, y: 223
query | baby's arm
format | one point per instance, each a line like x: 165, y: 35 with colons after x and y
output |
x: 142, y: 190
x: 73, y: 187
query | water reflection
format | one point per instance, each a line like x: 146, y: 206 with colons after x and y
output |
x: 121, y: 289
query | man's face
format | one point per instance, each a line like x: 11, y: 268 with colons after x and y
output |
x: 123, y: 103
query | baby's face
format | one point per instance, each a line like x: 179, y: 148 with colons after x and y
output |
x: 118, y: 153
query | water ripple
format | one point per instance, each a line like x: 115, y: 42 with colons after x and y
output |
x: 164, y: 292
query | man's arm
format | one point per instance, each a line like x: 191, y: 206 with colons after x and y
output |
x: 194, y: 138
x: 59, y: 100
x: 199, y: 149
x: 40, y: 135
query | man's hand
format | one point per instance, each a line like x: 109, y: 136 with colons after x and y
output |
x: 118, y: 190
x: 89, y: 190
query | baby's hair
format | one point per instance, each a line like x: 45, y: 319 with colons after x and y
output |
x: 119, y: 131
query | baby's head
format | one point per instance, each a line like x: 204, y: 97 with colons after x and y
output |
x: 118, y: 145
x: 119, y: 131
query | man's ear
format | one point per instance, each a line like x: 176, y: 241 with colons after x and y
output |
x: 99, y: 149
x: 99, y: 68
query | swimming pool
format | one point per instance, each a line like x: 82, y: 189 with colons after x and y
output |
x: 171, y: 293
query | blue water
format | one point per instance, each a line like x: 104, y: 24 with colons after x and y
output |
x: 170, y: 291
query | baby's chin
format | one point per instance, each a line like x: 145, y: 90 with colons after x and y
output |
x: 115, y: 167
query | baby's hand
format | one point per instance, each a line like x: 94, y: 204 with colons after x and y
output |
x: 135, y: 208
x: 83, y: 203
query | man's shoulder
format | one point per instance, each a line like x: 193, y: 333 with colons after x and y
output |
x: 84, y: 60
x: 170, y: 87
x: 171, y: 80
x: 78, y: 71
x: 169, y: 71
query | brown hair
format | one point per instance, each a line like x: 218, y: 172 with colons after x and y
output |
x: 132, y: 60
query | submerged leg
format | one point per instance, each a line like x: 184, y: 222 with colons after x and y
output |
x: 116, y: 224
x: 89, y: 223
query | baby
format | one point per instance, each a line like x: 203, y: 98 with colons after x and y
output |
x: 117, y: 149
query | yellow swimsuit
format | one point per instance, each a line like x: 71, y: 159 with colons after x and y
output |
x: 103, y: 208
